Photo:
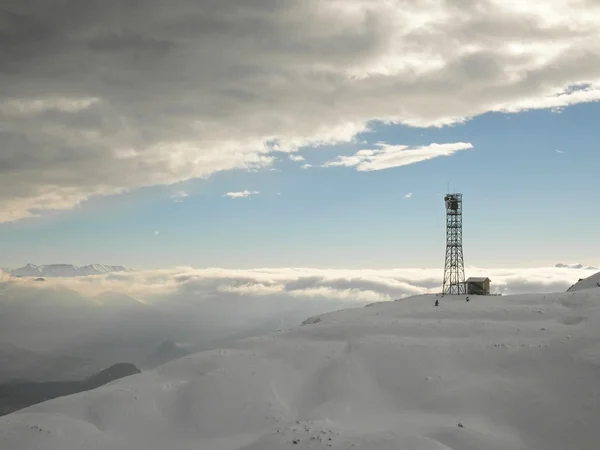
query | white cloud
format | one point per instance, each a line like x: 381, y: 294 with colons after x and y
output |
x: 179, y: 196
x: 388, y: 156
x: 559, y: 151
x: 306, y: 166
x: 409, y: 195
x: 305, y: 282
x: 170, y: 92
x: 241, y: 194
x: 220, y: 302
x: 156, y: 233
x: 296, y: 158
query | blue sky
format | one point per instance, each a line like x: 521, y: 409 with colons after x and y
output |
x: 205, y: 98
x: 529, y: 186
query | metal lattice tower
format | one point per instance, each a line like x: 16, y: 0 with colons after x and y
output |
x: 454, y: 267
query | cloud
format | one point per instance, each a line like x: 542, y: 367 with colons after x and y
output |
x: 179, y: 196
x: 389, y: 156
x: 339, y: 284
x: 409, y: 195
x: 156, y: 233
x: 559, y: 151
x: 577, y: 266
x: 306, y: 166
x: 241, y: 194
x: 296, y: 158
x: 109, y: 96
x: 127, y: 313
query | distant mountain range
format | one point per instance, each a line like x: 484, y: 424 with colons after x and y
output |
x: 65, y: 270
x: 575, y: 266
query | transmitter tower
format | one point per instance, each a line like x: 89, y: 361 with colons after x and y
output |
x: 454, y: 266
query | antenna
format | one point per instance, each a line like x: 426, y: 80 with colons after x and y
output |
x: 454, y: 266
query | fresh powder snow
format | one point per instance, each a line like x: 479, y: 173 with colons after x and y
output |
x: 495, y: 373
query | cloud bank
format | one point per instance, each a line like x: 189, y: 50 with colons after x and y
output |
x: 125, y: 316
x: 353, y: 286
x: 103, y: 96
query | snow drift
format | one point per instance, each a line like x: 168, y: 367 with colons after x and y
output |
x: 511, y: 372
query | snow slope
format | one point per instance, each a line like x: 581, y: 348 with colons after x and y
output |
x: 497, y: 373
x: 586, y: 283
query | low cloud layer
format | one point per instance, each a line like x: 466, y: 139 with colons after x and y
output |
x: 125, y: 316
x: 297, y: 284
x: 103, y: 96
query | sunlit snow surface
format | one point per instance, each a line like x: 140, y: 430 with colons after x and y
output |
x: 496, y: 373
x: 590, y: 282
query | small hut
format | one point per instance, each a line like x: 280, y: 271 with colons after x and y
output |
x: 478, y: 286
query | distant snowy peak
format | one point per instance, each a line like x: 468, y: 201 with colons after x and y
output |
x: 65, y: 270
x: 94, y: 269
x: 586, y: 283
x: 575, y: 266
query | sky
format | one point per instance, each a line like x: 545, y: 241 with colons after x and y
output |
x: 303, y: 133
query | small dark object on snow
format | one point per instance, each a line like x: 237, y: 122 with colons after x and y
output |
x: 467, y: 298
x: 437, y: 303
x: 296, y: 441
x: 461, y: 425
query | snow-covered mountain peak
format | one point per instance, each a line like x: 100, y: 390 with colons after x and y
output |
x: 590, y: 282
x: 65, y: 270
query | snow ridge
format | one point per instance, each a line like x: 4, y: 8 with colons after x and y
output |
x: 590, y: 282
